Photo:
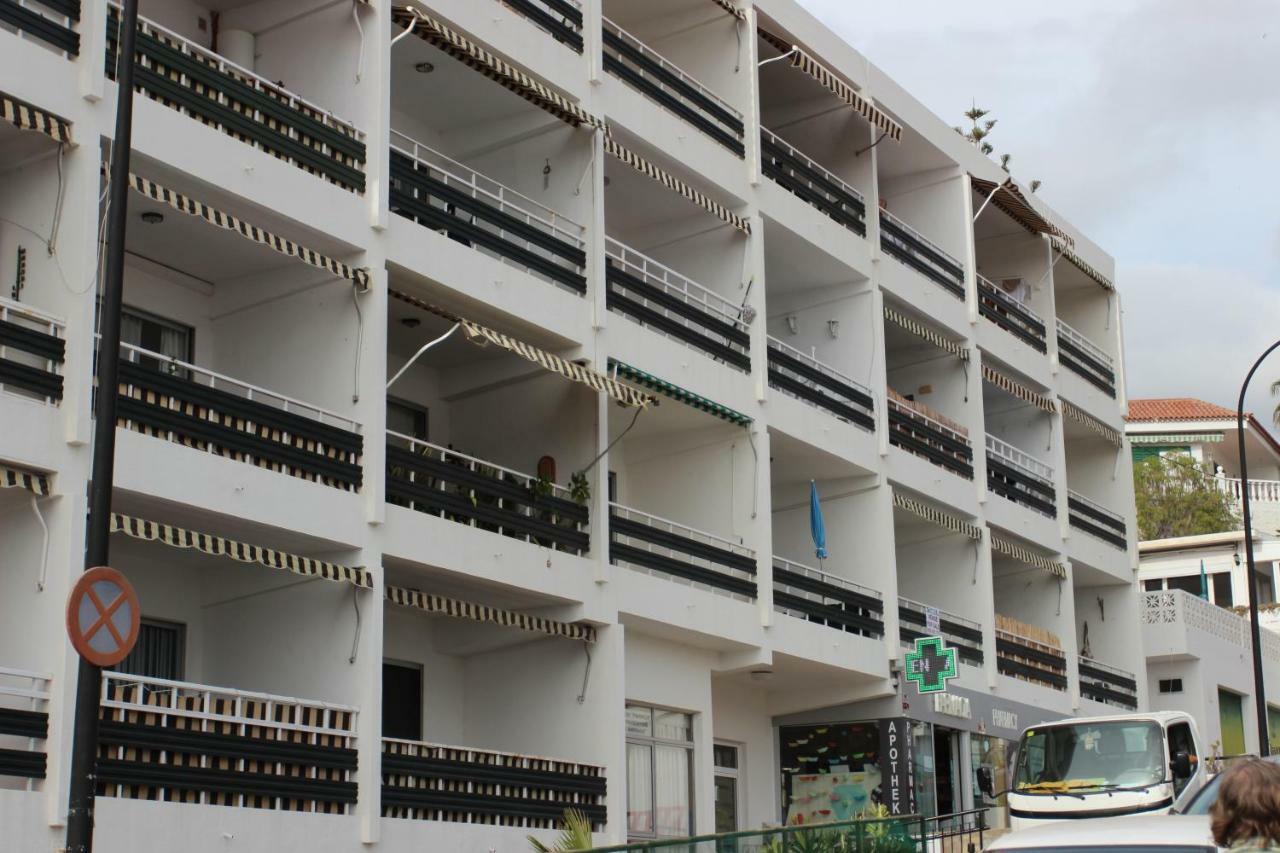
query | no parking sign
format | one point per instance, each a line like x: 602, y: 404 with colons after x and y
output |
x: 103, y: 616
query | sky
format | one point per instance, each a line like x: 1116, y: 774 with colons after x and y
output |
x: 1154, y: 126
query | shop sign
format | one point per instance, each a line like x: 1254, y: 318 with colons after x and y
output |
x: 932, y: 620
x: 953, y: 705
x: 897, y: 760
x: 1004, y: 719
x: 931, y: 665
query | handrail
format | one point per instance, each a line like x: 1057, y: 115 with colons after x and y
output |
x: 825, y: 577
x: 928, y: 421
x: 1019, y: 458
x: 10, y: 307
x: 920, y: 607
x: 1031, y: 641
x: 999, y: 293
x: 38, y: 691
x: 1085, y: 344
x: 653, y: 520
x: 917, y: 235
x: 472, y: 462
x: 668, y: 66
x: 1107, y: 668
x: 818, y: 364
x: 681, y: 286
x: 811, y: 163
x: 488, y: 751
x: 168, y: 684
x: 1092, y: 504
x: 1259, y: 490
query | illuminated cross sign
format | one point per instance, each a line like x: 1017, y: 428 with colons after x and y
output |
x: 931, y: 665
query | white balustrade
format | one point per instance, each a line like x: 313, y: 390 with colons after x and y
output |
x: 667, y: 66
x: 1019, y: 459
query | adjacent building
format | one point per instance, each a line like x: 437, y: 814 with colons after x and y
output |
x: 479, y: 361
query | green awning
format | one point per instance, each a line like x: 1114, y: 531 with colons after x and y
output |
x: 1175, y: 438
x: 675, y: 392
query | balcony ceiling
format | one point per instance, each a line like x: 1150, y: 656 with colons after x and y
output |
x: 793, y: 264
x: 794, y: 462
x: 653, y: 20
x: 452, y: 96
x: 467, y: 587
x: 18, y: 146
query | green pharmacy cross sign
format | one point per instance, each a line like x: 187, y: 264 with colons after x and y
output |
x: 931, y: 665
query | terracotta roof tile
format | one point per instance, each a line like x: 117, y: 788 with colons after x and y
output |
x: 1177, y: 409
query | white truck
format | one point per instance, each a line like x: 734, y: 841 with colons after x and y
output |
x: 1127, y: 764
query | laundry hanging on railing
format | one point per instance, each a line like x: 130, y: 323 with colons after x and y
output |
x: 675, y: 392
x: 936, y: 516
x: 459, y: 609
x: 1080, y: 264
x: 24, y: 116
x: 1017, y: 389
x: 218, y: 546
x: 213, y: 216
x: 1018, y: 207
x: 920, y: 330
x: 1012, y: 549
x: 1082, y: 417
x: 671, y: 182
x: 17, y: 478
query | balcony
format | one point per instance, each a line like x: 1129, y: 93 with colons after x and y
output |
x: 24, y: 724
x: 658, y: 297
x: 649, y: 543
x: 901, y: 241
x: 197, y: 408
x: 442, y: 482
x: 818, y: 384
x: 426, y: 781
x: 1108, y: 684
x: 628, y: 58
x: 1020, y: 477
x: 1086, y: 359
x: 1010, y: 314
x: 964, y: 635
x: 561, y: 18
x: 1178, y: 625
x: 206, y: 87
x: 52, y: 22
x: 1030, y: 659
x: 804, y: 178
x: 1097, y: 520
x: 446, y: 196
x: 815, y: 596
x: 191, y: 743
x: 32, y: 350
x: 918, y: 433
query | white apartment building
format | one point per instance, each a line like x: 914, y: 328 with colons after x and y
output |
x: 694, y: 258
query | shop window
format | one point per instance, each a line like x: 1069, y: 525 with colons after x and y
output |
x: 727, y: 769
x: 659, y: 772
x: 829, y: 772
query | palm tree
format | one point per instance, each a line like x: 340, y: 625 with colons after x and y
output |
x: 1275, y: 413
x: 575, y: 834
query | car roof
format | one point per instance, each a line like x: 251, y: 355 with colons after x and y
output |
x: 1154, y: 716
x: 1149, y: 831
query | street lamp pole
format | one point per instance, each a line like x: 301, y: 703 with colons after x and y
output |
x: 1259, y: 689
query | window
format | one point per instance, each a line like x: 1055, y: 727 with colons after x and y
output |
x: 728, y: 818
x: 159, y: 651
x: 401, y: 700
x: 613, y: 487
x: 158, y: 335
x: 1153, y: 584
x: 1171, y: 685
x: 659, y: 772
x: 1222, y: 589
x: 407, y: 419
x: 1187, y: 583
x: 1180, y: 740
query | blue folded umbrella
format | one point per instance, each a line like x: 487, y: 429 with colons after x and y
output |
x: 816, y: 526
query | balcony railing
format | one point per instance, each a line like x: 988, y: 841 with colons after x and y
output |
x: 442, y: 482
x: 1010, y: 314
x: 1030, y: 660
x: 203, y: 85
x: 174, y: 400
x: 643, y: 69
x: 819, y: 384
x: 1086, y: 359
x: 24, y: 723
x: 920, y: 434
x: 647, y: 542
x: 561, y: 18
x: 1096, y: 520
x: 909, y: 246
x: 1266, y: 491
x: 446, y: 196
x: 964, y: 635
x: 191, y: 743
x: 50, y: 21
x: 816, y: 596
x: 32, y: 350
x: 427, y: 781
x: 1104, y: 683
x: 809, y: 181
x: 660, y: 298
x: 1020, y: 477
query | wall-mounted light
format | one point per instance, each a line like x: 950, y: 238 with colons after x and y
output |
x: 793, y: 323
x: 833, y: 328
x: 410, y: 322
x: 424, y: 68
x: 151, y: 217
x: 761, y: 674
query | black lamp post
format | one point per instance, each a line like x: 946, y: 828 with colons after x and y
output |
x: 1259, y: 689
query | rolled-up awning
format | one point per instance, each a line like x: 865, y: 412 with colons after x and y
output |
x: 1084, y: 267
x: 1012, y: 549
x: 18, y: 478
x: 593, y: 379
x: 213, y: 216
x: 671, y: 182
x: 218, y: 546
x: 728, y: 6
x: 25, y: 116
x: 1018, y: 207
x: 922, y: 331
x: 459, y: 609
x: 1017, y: 389
x: 675, y: 392
x: 933, y: 515
x: 833, y: 83
x: 1082, y: 417
x: 438, y: 34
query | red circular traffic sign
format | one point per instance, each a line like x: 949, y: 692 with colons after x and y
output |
x: 103, y: 616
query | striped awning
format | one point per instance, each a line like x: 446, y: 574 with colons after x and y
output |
x: 24, y: 116
x: 483, y: 335
x: 459, y: 609
x: 17, y: 478
x: 936, y: 516
x: 218, y: 546
x: 1082, y: 417
x: 1017, y: 389
x: 671, y: 182
x: 728, y: 6
x: 1012, y: 549
x: 437, y: 34
x: 1011, y: 200
x: 920, y: 330
x: 1084, y: 267
x: 1177, y: 438
x: 675, y: 392
x: 213, y: 216
x: 834, y: 84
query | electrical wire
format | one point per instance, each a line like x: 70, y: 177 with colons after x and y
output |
x: 355, y: 16
x: 593, y: 462
x: 57, y: 205
x: 586, y: 674
x: 355, y: 641
x: 355, y: 300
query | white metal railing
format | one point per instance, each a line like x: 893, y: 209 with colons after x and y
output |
x: 660, y: 523
x: 1083, y: 343
x: 31, y: 318
x: 470, y: 463
x: 1018, y: 458
x: 667, y: 66
x: 884, y: 214
x: 825, y: 577
x: 917, y: 415
x: 1259, y: 490
x: 43, y: 11
x: 487, y: 753
x: 922, y: 608
x: 226, y: 384
x: 23, y: 690
x: 990, y: 288
x: 1107, y: 668
x: 812, y: 164
x: 1094, y: 505
x: 816, y: 364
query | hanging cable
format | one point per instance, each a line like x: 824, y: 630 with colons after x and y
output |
x: 412, y: 24
x: 355, y: 300
x: 1059, y: 613
x: 765, y: 62
x: 586, y: 673
x: 355, y: 16
x: 355, y: 641
x: 737, y: 57
x: 57, y: 205
x: 420, y: 351
x: 44, y: 548
x: 600, y: 456
x: 755, y: 472
x: 862, y: 151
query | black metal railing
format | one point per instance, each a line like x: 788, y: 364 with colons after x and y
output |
x: 436, y: 480
x: 1011, y: 315
x: 204, y: 86
x: 959, y: 832
x: 826, y: 599
x: 1028, y: 660
x: 55, y: 28
x: 648, y: 542
x: 628, y: 58
x: 1020, y: 485
x: 961, y: 634
x: 808, y: 379
x: 1086, y: 360
x: 32, y: 357
x: 807, y: 180
x: 561, y: 18
x: 903, y: 242
x: 1084, y: 514
x: 424, y: 781
x: 1103, y: 683
x: 925, y: 437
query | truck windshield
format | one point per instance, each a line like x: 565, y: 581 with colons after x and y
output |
x: 1090, y: 756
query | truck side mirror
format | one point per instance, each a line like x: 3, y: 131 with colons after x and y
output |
x: 1181, y: 765
x: 985, y: 784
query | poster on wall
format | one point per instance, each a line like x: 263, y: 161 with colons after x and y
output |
x: 829, y: 772
x: 897, y: 758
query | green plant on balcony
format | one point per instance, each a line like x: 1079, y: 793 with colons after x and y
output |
x: 579, y: 488
x: 575, y: 834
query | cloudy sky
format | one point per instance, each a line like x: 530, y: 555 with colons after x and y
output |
x: 1155, y: 127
